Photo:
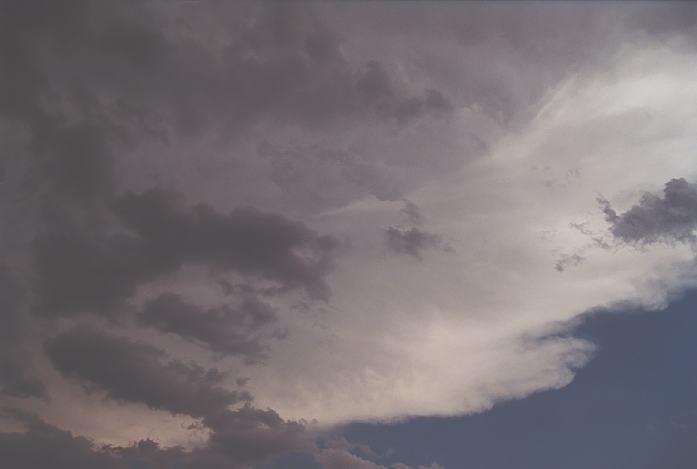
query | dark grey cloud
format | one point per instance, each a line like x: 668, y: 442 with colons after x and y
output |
x: 568, y: 260
x: 70, y: 145
x: 126, y: 75
x: 433, y: 103
x: 123, y: 53
x: 670, y: 218
x: 279, y: 61
x: 87, y: 82
x: 251, y: 436
x: 130, y: 371
x: 248, y: 434
x: 237, y: 330
x: 16, y: 378
x: 342, y: 454
x: 134, y: 372
x: 85, y: 269
x: 412, y: 212
x: 316, y: 177
x: 90, y: 81
x: 42, y: 445
x: 412, y: 241
x: 246, y: 240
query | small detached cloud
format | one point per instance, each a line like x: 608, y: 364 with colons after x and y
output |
x: 342, y: 454
x: 671, y: 218
x: 568, y: 260
x: 412, y: 212
x: 412, y: 241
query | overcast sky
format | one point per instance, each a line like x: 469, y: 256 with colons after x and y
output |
x: 328, y: 234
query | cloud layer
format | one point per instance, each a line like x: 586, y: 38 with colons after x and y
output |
x: 231, y: 226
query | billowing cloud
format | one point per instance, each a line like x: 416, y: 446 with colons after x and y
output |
x: 133, y: 372
x: 342, y: 454
x: 672, y: 217
x: 228, y: 330
x: 157, y: 237
x: 251, y: 434
x: 203, y: 179
x: 16, y: 378
x: 411, y: 241
x: 497, y: 305
x: 42, y: 445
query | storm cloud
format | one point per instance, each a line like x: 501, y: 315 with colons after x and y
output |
x: 130, y: 371
x: 133, y: 372
x: 16, y: 378
x: 41, y: 444
x: 235, y: 330
x: 157, y: 236
x: 412, y: 241
x: 671, y: 218
x: 211, y: 212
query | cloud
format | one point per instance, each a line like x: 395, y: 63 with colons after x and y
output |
x: 16, y: 378
x: 568, y: 260
x: 40, y: 445
x: 130, y: 371
x: 339, y: 454
x: 292, y: 134
x: 430, y: 466
x: 248, y: 434
x: 95, y: 270
x: 412, y: 212
x: 411, y: 241
x: 497, y: 303
x: 229, y: 330
x: 245, y: 240
x: 280, y: 62
x: 338, y: 458
x: 43, y: 445
x: 670, y: 218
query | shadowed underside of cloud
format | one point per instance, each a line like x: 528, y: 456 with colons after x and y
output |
x: 243, y: 438
x: 132, y: 372
x: 228, y: 330
x: 16, y: 378
x: 40, y: 445
x: 412, y: 241
x: 124, y: 76
x: 670, y: 218
x: 158, y: 237
x: 94, y: 95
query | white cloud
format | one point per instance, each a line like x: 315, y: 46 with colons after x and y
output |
x: 461, y: 330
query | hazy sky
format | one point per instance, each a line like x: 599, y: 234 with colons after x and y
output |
x: 347, y: 235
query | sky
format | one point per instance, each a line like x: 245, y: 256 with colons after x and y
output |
x: 348, y: 235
